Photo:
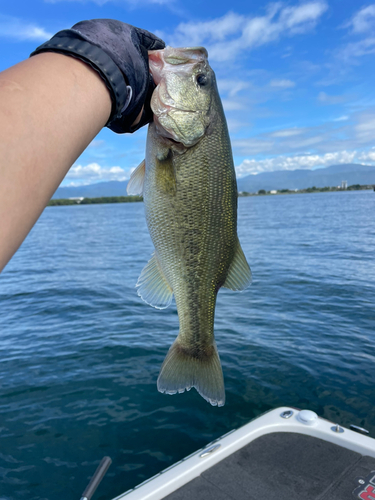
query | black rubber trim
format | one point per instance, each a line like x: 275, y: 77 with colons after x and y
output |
x: 98, y: 60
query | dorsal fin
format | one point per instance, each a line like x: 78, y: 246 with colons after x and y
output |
x: 135, y: 184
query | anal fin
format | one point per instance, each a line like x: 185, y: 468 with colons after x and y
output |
x: 239, y: 274
x: 152, y: 285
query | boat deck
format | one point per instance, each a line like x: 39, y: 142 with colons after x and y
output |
x: 285, y: 454
x: 283, y: 466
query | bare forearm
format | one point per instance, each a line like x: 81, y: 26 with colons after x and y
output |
x: 51, y: 107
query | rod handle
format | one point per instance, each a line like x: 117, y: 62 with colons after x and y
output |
x: 96, y: 478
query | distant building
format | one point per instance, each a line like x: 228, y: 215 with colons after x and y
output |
x: 344, y: 184
x: 77, y: 199
x: 274, y: 191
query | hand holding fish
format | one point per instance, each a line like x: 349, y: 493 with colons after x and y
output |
x: 119, y: 53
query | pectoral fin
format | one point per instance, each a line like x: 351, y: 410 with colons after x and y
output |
x: 239, y: 274
x: 165, y: 179
x: 135, y: 184
x: 153, y: 287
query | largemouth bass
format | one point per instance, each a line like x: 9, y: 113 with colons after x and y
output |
x: 190, y: 195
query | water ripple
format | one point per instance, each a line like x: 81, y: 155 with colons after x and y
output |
x: 80, y: 352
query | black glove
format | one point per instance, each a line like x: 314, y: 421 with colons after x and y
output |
x: 118, y: 52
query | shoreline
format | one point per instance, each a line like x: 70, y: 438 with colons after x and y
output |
x: 93, y: 201
x: 262, y: 192
x: 354, y: 187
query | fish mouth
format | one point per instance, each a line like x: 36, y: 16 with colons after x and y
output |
x: 156, y: 64
x: 174, y: 56
x: 165, y: 133
x: 171, y: 137
x: 184, y: 57
x: 162, y: 103
x: 163, y: 106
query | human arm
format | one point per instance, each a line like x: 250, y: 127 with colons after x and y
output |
x: 51, y: 107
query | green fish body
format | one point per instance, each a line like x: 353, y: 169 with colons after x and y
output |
x: 190, y: 197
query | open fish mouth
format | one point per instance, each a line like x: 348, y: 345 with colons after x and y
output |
x: 170, y: 110
x: 182, y: 57
x: 162, y: 108
x: 161, y: 101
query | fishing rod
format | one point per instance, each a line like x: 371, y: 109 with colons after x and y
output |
x: 96, y: 478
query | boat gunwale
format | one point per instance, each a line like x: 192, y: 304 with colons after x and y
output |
x: 180, y: 473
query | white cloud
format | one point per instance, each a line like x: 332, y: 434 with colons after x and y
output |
x: 367, y: 157
x: 282, y: 84
x: 331, y: 99
x: 307, y: 162
x: 289, y: 132
x: 231, y: 86
x: 234, y: 125
x: 282, y: 142
x: 362, y: 23
x: 302, y: 18
x: 363, y: 20
x: 18, y: 29
x: 231, y: 105
x: 354, y: 50
x: 98, y: 2
x: 194, y: 33
x: 365, y: 128
x: 93, y: 172
x: 96, y: 143
x: 228, y: 36
x: 133, y: 3
x: 341, y: 118
x: 351, y: 132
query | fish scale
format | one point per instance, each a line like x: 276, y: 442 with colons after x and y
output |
x: 200, y: 217
x: 190, y: 197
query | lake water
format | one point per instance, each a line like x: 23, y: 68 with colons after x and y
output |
x: 80, y: 352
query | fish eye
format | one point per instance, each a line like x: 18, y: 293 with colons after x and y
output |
x: 201, y: 79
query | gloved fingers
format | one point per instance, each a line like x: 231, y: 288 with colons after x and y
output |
x: 149, y: 40
x: 119, y: 52
x: 147, y: 114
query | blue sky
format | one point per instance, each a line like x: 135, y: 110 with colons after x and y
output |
x: 296, y: 78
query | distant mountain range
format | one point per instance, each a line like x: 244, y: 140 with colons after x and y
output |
x: 110, y: 188
x: 302, y: 179
x: 280, y: 179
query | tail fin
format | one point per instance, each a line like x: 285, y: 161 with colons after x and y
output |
x: 184, y: 368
